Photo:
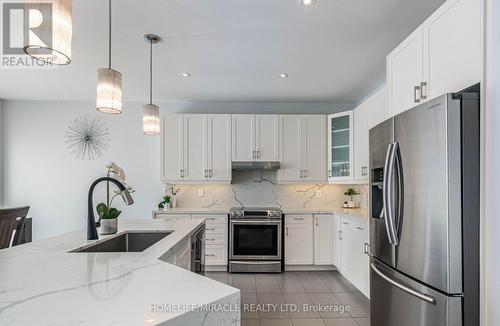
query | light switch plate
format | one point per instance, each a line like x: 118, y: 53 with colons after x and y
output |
x: 201, y: 192
x: 318, y: 193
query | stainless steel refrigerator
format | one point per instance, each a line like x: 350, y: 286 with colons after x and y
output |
x: 424, y: 214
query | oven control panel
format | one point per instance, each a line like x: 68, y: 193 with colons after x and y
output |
x: 255, y: 213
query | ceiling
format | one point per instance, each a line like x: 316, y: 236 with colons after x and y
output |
x: 234, y: 50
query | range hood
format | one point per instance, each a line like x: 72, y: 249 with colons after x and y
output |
x: 252, y: 165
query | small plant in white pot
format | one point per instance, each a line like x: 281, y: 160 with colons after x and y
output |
x: 351, y: 192
x: 165, y: 204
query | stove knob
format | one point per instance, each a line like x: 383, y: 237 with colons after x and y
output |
x: 233, y: 213
x: 240, y: 214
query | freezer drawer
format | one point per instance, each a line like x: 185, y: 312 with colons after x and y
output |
x: 398, y: 300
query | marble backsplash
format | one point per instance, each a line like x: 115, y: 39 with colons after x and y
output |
x: 260, y: 188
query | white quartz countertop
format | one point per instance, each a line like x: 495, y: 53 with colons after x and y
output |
x: 42, y: 284
x: 359, y: 213
x: 186, y: 210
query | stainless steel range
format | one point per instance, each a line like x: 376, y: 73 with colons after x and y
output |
x: 255, y: 240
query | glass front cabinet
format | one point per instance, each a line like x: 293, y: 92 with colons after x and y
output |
x: 340, y: 147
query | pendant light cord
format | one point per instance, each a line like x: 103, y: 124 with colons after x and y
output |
x: 150, y: 72
x: 109, y: 45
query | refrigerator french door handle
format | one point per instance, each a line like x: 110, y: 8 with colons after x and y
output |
x: 399, y: 222
x: 404, y: 288
x: 387, y: 193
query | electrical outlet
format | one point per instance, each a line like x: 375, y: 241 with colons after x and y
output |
x: 201, y: 192
x: 318, y: 193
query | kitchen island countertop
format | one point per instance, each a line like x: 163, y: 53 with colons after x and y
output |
x: 41, y: 283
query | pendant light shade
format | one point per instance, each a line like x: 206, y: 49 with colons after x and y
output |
x: 109, y: 84
x: 109, y: 91
x: 151, y: 119
x: 56, y: 45
x: 151, y: 113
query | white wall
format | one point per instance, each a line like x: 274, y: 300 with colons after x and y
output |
x: 491, y: 173
x: 39, y: 170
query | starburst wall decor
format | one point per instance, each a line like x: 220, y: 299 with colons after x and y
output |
x: 87, y: 137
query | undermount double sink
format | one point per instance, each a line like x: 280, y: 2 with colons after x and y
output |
x: 128, y: 241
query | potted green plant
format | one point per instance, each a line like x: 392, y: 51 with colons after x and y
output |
x: 351, y: 192
x: 109, y: 218
x: 165, y: 204
x: 108, y: 215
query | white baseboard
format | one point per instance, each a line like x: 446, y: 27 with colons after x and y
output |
x: 296, y: 268
x: 216, y: 268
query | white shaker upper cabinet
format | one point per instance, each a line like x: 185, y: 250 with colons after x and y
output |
x: 255, y: 137
x: 195, y: 147
x: 405, y: 73
x: 366, y: 116
x: 290, y: 145
x: 312, y: 132
x: 340, y: 147
x: 452, y: 47
x: 243, y: 137
x: 302, y: 148
x: 219, y: 147
x: 266, y: 137
x: 172, y: 147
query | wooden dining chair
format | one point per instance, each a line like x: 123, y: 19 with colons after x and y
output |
x: 12, y: 222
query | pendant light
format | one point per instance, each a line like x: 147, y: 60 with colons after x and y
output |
x: 58, y: 51
x: 151, y: 114
x: 109, y: 84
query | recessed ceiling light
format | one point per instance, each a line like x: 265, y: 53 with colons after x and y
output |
x: 283, y: 75
x: 307, y: 3
x: 185, y: 74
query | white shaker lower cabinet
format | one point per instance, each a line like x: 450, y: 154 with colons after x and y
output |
x: 299, y: 240
x: 354, y: 262
x: 324, y: 245
x: 216, y: 240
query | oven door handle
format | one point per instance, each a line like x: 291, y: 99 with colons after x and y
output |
x: 256, y: 222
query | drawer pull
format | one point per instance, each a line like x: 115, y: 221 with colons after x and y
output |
x: 299, y: 218
x: 210, y: 229
x: 346, y: 223
x: 210, y: 255
x: 357, y: 227
x: 210, y: 239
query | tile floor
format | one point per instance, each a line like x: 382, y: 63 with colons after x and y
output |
x: 329, y: 291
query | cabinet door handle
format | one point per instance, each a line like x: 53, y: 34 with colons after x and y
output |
x: 306, y: 173
x: 423, y: 90
x: 206, y: 173
x: 210, y: 173
x: 346, y: 223
x: 316, y: 218
x: 300, y: 173
x: 416, y: 99
x: 330, y: 173
x: 286, y: 229
x: 357, y: 227
x: 367, y: 249
x: 258, y: 154
x: 253, y: 154
x: 340, y: 235
x: 182, y: 173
